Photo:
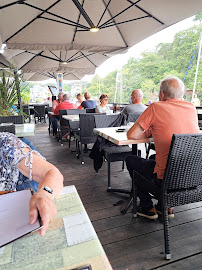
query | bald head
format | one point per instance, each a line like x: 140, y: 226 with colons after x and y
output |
x: 137, y: 96
x: 171, y: 87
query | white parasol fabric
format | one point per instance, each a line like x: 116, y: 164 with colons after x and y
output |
x: 41, y: 35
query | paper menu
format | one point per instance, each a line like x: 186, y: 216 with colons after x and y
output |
x: 14, y: 216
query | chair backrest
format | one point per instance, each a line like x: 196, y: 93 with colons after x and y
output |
x: 39, y: 110
x: 102, y: 121
x: 15, y: 119
x: 8, y: 128
x: 184, y: 164
x: 63, y: 122
x: 88, y: 110
x: 132, y: 117
x: 25, y: 109
x: 75, y: 111
x: 86, y: 125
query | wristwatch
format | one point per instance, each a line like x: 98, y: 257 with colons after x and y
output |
x: 49, y: 190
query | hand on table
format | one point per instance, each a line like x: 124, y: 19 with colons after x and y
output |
x: 42, y: 202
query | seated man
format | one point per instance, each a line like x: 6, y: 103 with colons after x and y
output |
x: 55, y: 118
x: 136, y: 105
x: 65, y: 105
x: 170, y: 115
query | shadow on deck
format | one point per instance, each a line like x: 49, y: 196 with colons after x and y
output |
x: 130, y: 243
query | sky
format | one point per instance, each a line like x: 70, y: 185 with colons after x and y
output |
x: 164, y: 36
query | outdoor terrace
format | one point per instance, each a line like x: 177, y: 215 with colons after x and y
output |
x: 130, y: 243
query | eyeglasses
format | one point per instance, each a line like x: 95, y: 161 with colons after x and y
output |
x: 106, y: 99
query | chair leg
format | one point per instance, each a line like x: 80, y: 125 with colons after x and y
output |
x: 61, y: 141
x: 82, y: 162
x: 134, y: 190
x: 123, y: 165
x: 70, y: 135
x: 109, y: 176
x: 166, y: 232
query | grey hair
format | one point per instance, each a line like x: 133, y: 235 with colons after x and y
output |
x: 172, y: 87
x: 66, y: 97
x: 60, y: 94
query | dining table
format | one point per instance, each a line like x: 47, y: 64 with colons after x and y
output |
x: 72, y: 118
x: 69, y: 242
x: 118, y: 135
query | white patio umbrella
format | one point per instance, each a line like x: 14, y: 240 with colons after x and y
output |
x: 63, y: 29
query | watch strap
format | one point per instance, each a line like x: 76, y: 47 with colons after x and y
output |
x: 48, y: 189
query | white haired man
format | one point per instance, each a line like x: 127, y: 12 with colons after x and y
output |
x: 170, y: 115
x: 136, y: 105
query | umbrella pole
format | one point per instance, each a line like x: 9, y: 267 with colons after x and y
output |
x: 17, y: 83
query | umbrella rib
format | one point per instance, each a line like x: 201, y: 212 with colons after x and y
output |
x: 31, y: 20
x: 83, y: 12
x: 71, y: 57
x: 11, y: 4
x: 88, y: 59
x: 109, y: 25
x: 55, y: 55
x: 103, y: 13
x: 77, y: 23
x: 63, y: 22
x: 30, y: 59
x: 113, y: 17
x: 147, y: 12
x: 3, y: 64
x: 117, y: 26
x: 45, y: 56
x: 80, y: 57
x: 53, y: 14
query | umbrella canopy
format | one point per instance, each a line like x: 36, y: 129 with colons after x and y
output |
x: 3, y: 62
x: 40, y: 33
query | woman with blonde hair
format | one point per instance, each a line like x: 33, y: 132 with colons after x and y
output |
x: 88, y: 103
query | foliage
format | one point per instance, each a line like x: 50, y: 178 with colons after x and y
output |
x: 150, y: 68
x: 8, y: 93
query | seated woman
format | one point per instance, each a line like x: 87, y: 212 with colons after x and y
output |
x: 80, y: 100
x: 103, y: 107
x: 88, y: 103
x: 15, y: 157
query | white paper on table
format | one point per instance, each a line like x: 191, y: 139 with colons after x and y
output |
x: 14, y: 216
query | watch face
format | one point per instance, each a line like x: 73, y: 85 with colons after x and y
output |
x: 48, y: 189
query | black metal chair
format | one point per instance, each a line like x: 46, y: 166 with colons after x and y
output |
x: 114, y: 152
x: 85, y: 135
x: 39, y: 113
x: 14, y: 119
x: 182, y: 183
x: 7, y: 128
x: 26, y: 112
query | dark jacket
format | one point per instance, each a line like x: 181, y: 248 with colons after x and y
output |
x: 96, y: 152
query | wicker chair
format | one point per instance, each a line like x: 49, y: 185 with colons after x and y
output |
x: 89, y: 110
x: 114, y: 152
x: 85, y: 135
x: 14, y: 119
x: 132, y: 117
x: 182, y: 183
x: 39, y: 113
x: 7, y: 128
x: 26, y: 112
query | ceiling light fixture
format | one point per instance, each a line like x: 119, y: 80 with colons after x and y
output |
x: 64, y: 63
x: 94, y: 29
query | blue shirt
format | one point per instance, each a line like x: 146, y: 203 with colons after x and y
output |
x: 90, y: 104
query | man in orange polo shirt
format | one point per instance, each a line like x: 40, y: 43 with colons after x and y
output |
x: 170, y: 115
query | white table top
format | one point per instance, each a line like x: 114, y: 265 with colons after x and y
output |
x: 24, y: 130
x: 73, y: 118
x: 119, y: 138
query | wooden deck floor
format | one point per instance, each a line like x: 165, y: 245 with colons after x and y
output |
x: 130, y: 243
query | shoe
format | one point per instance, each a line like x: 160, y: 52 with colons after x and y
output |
x: 148, y: 213
x: 170, y: 211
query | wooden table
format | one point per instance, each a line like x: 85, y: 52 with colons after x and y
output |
x: 70, y: 241
x: 120, y: 138
x: 73, y: 118
x: 24, y: 130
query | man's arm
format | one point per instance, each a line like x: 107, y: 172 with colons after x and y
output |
x: 136, y: 132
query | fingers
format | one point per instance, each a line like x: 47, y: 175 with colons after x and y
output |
x: 46, y: 208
